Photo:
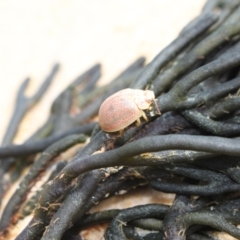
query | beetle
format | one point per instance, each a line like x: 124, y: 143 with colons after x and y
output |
x: 123, y: 108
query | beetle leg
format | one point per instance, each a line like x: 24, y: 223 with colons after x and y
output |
x: 120, y: 132
x: 144, y: 116
x: 138, y: 122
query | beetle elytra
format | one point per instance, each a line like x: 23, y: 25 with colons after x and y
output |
x: 123, y: 108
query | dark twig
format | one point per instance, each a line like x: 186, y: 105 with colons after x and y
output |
x: 23, y: 104
x: 115, y: 229
x: 169, y: 53
x: 176, y: 97
x: 227, y: 30
x: 122, y: 156
x: 180, y: 206
x: 74, y: 205
x: 38, y: 146
x: 39, y: 165
x: 123, y: 80
x: 209, y: 183
x: 215, y: 127
x: 225, y: 107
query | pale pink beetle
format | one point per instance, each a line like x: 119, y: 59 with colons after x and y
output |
x: 123, y: 108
